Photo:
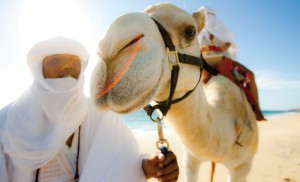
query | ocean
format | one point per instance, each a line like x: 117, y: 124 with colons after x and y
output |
x: 140, y: 123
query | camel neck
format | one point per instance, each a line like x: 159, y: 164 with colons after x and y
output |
x: 197, y: 106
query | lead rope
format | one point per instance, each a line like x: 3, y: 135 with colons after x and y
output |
x: 162, y: 144
x: 76, y: 177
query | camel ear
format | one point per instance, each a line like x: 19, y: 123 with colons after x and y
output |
x: 200, y: 17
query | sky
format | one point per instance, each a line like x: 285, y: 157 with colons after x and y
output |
x: 266, y: 33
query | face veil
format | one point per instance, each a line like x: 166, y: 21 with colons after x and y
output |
x: 48, y: 112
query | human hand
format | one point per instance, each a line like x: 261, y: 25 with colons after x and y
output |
x: 164, y: 168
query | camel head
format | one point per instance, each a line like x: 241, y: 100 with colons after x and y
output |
x: 134, y: 69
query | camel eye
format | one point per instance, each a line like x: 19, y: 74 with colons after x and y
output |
x: 189, y: 32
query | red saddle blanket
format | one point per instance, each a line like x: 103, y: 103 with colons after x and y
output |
x: 226, y: 68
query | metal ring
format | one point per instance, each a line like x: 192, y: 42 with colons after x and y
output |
x: 161, y: 143
x: 156, y: 117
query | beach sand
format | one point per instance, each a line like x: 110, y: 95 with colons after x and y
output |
x: 277, y: 158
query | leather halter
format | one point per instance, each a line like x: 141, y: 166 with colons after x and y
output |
x: 174, y: 59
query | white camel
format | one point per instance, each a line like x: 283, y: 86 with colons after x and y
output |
x: 134, y: 70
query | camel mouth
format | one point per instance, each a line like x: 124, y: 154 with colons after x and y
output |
x: 124, y: 98
x: 108, y: 86
x: 113, y: 102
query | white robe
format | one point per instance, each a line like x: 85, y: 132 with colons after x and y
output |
x: 108, y: 151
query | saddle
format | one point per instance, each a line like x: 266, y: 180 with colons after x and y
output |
x: 231, y: 70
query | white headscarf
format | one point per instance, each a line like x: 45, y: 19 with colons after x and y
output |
x: 41, y: 120
x: 216, y: 27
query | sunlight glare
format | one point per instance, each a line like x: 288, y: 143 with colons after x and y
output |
x: 42, y: 19
x: 47, y: 18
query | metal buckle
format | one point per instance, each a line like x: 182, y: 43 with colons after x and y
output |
x: 173, y: 58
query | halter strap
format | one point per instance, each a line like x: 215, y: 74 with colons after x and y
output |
x: 164, y: 106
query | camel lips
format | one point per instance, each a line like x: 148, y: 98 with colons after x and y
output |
x: 111, y: 85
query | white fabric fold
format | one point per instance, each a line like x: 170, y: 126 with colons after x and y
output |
x: 114, y: 154
x: 40, y: 122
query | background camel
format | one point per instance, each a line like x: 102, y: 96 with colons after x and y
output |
x: 134, y: 70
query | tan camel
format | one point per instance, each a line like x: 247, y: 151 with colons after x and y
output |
x: 134, y: 70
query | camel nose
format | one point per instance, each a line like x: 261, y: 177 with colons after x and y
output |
x: 133, y: 41
x: 113, y: 45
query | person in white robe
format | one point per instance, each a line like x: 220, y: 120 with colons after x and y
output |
x: 52, y: 132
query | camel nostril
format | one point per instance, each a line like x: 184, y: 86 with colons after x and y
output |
x: 135, y: 40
